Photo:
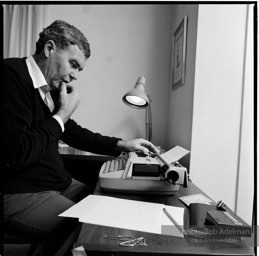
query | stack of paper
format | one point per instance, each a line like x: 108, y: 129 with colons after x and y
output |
x: 126, y: 214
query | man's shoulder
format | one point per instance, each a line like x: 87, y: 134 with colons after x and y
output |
x: 15, y: 72
x: 15, y: 66
x: 14, y: 62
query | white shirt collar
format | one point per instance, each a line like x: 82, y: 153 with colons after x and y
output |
x: 36, y: 75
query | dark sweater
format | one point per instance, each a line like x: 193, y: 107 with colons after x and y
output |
x: 30, y: 136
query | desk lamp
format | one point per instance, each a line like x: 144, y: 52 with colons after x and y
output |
x: 137, y: 98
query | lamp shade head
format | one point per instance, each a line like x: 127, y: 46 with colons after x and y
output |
x: 137, y: 97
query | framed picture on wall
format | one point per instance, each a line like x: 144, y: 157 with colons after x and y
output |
x: 179, y: 54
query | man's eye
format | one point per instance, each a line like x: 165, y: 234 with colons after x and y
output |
x: 74, y: 65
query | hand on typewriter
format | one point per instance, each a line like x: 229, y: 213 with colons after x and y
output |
x: 139, y: 145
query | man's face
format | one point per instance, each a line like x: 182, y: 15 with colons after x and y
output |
x: 64, y: 65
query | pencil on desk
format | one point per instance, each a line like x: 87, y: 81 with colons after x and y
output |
x: 172, y: 219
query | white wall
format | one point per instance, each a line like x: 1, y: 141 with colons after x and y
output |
x: 219, y: 83
x: 179, y: 122
x: 244, y: 201
x: 126, y: 41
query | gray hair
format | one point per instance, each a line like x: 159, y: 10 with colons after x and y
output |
x: 63, y: 35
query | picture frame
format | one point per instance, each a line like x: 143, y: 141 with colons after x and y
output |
x: 179, y: 54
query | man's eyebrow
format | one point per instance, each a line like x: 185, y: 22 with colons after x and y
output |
x: 76, y: 63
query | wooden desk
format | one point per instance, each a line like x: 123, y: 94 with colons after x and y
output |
x: 92, y: 238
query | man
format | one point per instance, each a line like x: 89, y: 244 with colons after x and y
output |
x: 38, y: 103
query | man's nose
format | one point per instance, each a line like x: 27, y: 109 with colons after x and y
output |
x: 73, y: 75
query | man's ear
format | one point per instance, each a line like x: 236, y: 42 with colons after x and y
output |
x: 49, y: 48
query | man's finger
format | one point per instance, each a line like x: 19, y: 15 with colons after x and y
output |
x: 63, y: 87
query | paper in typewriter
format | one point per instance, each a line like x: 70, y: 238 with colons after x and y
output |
x: 174, y: 154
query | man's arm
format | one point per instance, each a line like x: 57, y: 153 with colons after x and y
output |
x: 77, y: 136
x: 84, y: 139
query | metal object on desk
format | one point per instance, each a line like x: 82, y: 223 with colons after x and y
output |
x: 119, y: 237
x: 127, y: 241
x: 137, y: 241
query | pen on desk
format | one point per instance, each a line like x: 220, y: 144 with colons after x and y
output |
x: 173, y: 220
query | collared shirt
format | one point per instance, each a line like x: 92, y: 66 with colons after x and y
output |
x: 39, y: 82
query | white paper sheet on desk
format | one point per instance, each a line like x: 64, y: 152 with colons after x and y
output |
x: 174, y: 154
x: 122, y: 213
x: 178, y: 214
x: 78, y: 210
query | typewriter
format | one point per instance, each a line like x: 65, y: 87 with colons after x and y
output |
x: 138, y: 173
